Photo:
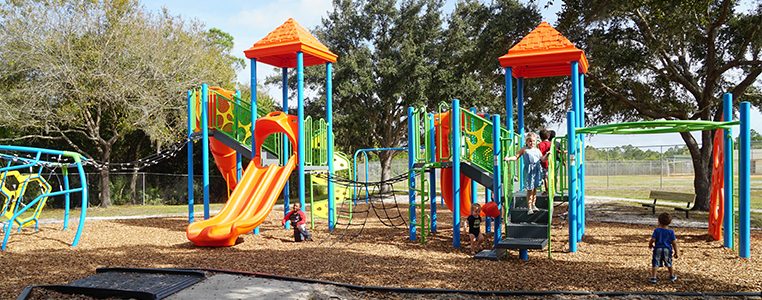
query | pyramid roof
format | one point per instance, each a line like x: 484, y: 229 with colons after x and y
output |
x: 279, y: 48
x: 544, y: 52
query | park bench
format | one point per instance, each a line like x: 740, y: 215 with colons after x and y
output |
x: 673, y: 197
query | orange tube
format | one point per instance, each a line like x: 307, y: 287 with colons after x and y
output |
x: 465, y: 191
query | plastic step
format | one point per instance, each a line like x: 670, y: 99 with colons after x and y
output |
x: 490, y: 254
x: 520, y: 215
x: 522, y: 243
x: 526, y: 230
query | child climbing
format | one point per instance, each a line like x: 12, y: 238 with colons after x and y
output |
x: 532, y: 169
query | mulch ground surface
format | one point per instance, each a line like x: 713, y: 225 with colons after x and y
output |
x: 610, y: 257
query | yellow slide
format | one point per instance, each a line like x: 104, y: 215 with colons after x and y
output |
x: 254, y: 195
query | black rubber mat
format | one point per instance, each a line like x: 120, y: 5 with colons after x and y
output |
x: 129, y: 283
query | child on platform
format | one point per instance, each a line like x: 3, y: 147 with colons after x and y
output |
x: 474, y: 227
x: 663, y: 241
x: 532, y: 169
x: 297, y: 218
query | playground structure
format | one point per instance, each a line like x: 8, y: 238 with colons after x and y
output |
x: 229, y: 120
x: 15, y: 186
x: 722, y: 205
x: 456, y: 140
x: 543, y: 52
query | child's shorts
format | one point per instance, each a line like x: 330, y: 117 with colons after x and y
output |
x: 544, y: 173
x: 662, y: 258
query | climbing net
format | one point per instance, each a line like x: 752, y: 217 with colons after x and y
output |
x: 352, y: 218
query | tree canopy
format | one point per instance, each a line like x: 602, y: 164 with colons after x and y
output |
x: 90, y: 73
x: 668, y: 60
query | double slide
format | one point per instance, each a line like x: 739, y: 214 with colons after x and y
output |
x: 255, y: 194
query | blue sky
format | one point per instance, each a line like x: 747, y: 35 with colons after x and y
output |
x: 250, y: 21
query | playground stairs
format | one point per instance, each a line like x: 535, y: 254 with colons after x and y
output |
x: 523, y: 231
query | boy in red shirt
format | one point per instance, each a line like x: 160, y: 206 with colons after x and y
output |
x: 297, y: 218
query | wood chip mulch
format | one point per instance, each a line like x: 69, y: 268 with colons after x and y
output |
x: 611, y: 257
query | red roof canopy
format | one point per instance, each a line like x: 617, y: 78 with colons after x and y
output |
x: 280, y: 46
x: 544, y: 52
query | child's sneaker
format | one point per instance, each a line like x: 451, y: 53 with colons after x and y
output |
x: 653, y: 279
x: 534, y: 207
x: 673, y: 277
x: 530, y: 211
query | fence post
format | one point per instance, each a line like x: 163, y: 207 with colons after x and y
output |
x: 661, y: 166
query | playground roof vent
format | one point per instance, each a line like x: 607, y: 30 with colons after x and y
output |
x: 279, y: 48
x: 544, y: 52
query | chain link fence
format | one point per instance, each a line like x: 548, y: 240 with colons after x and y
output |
x: 140, y: 188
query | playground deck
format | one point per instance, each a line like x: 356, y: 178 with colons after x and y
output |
x: 611, y: 257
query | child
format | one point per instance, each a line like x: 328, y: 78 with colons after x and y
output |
x: 663, y: 241
x: 559, y: 153
x: 544, y: 147
x: 474, y: 227
x: 297, y: 218
x: 532, y: 169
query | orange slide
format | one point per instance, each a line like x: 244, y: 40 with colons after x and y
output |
x: 256, y: 193
x: 442, y: 128
x: 465, y: 191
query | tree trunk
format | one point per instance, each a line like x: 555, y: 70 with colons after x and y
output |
x: 105, y: 178
x: 134, y: 177
x: 385, y: 158
x: 133, y: 184
x: 105, y: 188
x: 702, y: 168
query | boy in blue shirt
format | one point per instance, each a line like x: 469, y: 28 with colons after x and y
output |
x: 663, y: 241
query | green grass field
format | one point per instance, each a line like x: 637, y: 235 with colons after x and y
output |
x: 638, y: 187
x: 635, y: 187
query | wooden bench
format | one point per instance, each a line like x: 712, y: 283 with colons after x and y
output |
x: 673, y: 197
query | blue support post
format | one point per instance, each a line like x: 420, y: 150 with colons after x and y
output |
x: 286, y: 144
x: 300, y: 115
x: 254, y: 114
x: 744, y: 182
x: 83, y: 211
x: 191, y: 123
x: 433, y: 173
x: 329, y: 141
x: 727, y: 222
x: 455, y: 145
x: 205, y: 145
x: 520, y: 120
x: 412, y: 149
x: 497, y: 175
x: 509, y: 101
x: 571, y: 136
x: 65, y: 174
x: 581, y: 157
x: 576, y: 106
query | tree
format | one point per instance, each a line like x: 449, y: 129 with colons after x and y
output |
x: 672, y: 60
x: 385, y: 64
x: 89, y: 73
x: 467, y: 65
